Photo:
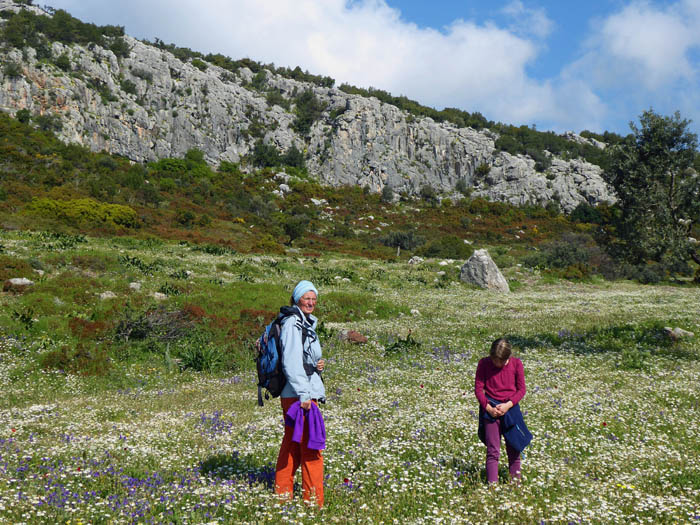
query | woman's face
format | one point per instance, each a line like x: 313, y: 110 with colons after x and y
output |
x: 307, y: 302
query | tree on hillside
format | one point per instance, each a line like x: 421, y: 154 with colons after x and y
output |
x: 658, y: 191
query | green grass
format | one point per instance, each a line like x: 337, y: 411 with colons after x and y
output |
x: 615, y: 435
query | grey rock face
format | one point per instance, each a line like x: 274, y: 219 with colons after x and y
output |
x: 481, y: 271
x: 152, y: 105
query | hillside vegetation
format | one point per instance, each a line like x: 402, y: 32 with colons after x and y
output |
x: 46, y: 184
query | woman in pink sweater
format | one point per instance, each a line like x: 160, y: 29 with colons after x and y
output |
x: 499, y: 385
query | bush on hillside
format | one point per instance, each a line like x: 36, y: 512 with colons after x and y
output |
x: 308, y: 110
x: 406, y: 240
x: 63, y: 62
x: 574, y: 255
x: 586, y: 213
x: 447, y: 247
x: 84, y: 212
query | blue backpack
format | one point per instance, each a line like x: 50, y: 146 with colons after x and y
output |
x: 268, y: 360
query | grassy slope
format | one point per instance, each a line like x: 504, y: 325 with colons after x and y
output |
x: 611, y: 402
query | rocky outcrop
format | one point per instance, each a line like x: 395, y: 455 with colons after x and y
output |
x: 481, y: 271
x: 151, y: 105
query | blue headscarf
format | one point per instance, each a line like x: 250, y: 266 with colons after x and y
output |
x: 301, y: 288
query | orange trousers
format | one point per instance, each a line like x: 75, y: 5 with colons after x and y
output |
x: 294, y: 454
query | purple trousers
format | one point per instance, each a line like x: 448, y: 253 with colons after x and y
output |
x: 493, y: 452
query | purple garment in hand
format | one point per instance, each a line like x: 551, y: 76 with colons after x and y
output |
x: 317, y: 428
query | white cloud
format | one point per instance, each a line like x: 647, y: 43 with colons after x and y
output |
x: 528, y: 21
x: 642, y: 56
x: 650, y: 43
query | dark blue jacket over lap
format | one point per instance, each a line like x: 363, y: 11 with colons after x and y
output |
x: 513, y: 426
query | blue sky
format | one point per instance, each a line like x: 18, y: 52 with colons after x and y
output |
x: 560, y: 65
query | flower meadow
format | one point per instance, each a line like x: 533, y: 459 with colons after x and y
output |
x: 613, y: 404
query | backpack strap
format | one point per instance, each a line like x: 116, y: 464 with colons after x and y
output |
x: 286, y: 311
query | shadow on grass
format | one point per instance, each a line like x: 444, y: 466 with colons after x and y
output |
x: 648, y: 338
x: 243, y: 468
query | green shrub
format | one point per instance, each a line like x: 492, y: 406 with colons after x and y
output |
x: 199, y: 64
x: 128, y: 86
x: 184, y: 218
x: 428, y: 194
x: 213, y: 249
x: 23, y: 115
x: 575, y: 255
x: 49, y: 122
x: 449, y: 247
x: 275, y: 98
x: 406, y: 240
x: 12, y: 69
x: 586, y: 213
x: 293, y: 158
x: 308, y: 110
x: 482, y: 169
x: 295, y: 226
x: 387, y: 194
x: 342, y: 230
x: 143, y: 74
x: 63, y: 62
x: 259, y: 80
x: 119, y: 47
x: 198, y: 352
x: 84, y: 212
x: 265, y: 155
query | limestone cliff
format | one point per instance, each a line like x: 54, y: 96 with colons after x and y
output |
x: 149, y: 105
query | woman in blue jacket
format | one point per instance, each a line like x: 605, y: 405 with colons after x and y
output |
x: 302, y: 364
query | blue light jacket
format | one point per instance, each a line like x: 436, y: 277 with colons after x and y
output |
x: 299, y: 383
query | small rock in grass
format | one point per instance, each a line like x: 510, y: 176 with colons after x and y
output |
x: 108, y: 295
x: 135, y: 286
x: 415, y: 312
x: 17, y: 284
x: 158, y: 296
x: 677, y: 333
x: 352, y: 336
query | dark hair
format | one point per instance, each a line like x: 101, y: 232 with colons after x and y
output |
x: 500, y: 349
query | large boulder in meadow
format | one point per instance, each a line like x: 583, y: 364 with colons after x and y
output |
x: 17, y: 285
x: 481, y: 271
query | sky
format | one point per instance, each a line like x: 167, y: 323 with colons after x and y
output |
x: 558, y: 65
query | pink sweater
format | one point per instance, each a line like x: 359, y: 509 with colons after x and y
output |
x: 503, y: 384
